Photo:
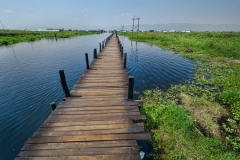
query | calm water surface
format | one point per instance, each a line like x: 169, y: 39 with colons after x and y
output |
x: 29, y: 79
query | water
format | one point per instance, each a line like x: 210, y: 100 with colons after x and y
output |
x: 29, y: 79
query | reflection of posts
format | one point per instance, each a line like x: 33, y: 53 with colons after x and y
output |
x: 134, y: 53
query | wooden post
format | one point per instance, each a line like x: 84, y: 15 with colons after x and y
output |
x: 125, y: 60
x: 122, y: 53
x: 130, y: 86
x: 100, y: 49
x: 120, y: 47
x: 64, y: 83
x: 95, y: 53
x: 87, y: 62
x: 53, y: 106
x: 102, y: 44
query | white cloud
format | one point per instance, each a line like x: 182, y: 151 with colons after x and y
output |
x: 8, y: 11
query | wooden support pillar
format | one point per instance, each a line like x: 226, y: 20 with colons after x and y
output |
x: 87, y: 62
x: 64, y: 83
x: 130, y: 86
x: 122, y: 53
x: 125, y: 60
x: 95, y: 53
x: 53, y: 106
x: 100, y: 49
x: 102, y: 44
x: 120, y: 47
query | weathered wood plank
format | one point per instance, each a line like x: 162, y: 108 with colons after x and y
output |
x: 89, y: 127
x: 88, y: 123
x: 94, y: 118
x: 88, y: 133
x: 86, y: 138
x: 95, y: 112
x: 90, y: 157
x: 97, y: 103
x: 65, y: 107
x: 78, y: 145
x: 79, y: 152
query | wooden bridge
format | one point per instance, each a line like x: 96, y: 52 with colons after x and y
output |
x: 98, y: 120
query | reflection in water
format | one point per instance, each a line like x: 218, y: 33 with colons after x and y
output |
x: 30, y: 80
x: 134, y: 53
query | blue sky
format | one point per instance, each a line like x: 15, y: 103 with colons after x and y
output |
x: 103, y: 13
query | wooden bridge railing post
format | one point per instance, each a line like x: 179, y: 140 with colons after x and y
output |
x: 122, y: 53
x: 64, y: 83
x: 53, y: 106
x: 125, y: 60
x: 95, y: 53
x: 102, y: 44
x: 120, y: 47
x: 100, y: 49
x: 87, y: 62
x: 130, y: 86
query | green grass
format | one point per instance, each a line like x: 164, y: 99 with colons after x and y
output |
x: 8, y: 37
x: 175, y: 133
x: 211, y: 99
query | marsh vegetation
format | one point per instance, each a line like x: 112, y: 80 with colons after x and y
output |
x: 199, y: 118
x: 8, y: 37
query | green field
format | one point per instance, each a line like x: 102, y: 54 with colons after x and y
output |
x: 198, y: 119
x: 8, y: 37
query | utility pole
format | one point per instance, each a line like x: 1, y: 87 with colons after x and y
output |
x: 135, y: 26
x: 122, y: 28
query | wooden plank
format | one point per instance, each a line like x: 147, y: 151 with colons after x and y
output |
x: 86, y: 138
x: 94, y: 132
x: 78, y: 145
x: 79, y: 152
x: 94, y: 115
x: 90, y: 127
x: 57, y: 124
x: 97, y: 103
x: 98, y: 98
x: 91, y: 157
x: 95, y: 112
x: 100, y: 84
x: 96, y: 71
x: 94, y: 118
x: 63, y: 108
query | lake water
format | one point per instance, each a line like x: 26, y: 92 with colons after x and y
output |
x: 29, y: 79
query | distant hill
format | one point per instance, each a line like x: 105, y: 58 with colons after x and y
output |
x: 183, y: 26
x: 169, y: 26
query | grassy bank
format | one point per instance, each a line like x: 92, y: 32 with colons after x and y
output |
x: 198, y: 119
x: 8, y: 37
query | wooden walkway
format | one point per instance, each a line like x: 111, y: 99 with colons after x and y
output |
x: 97, y: 121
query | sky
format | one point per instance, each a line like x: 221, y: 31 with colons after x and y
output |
x: 20, y: 14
